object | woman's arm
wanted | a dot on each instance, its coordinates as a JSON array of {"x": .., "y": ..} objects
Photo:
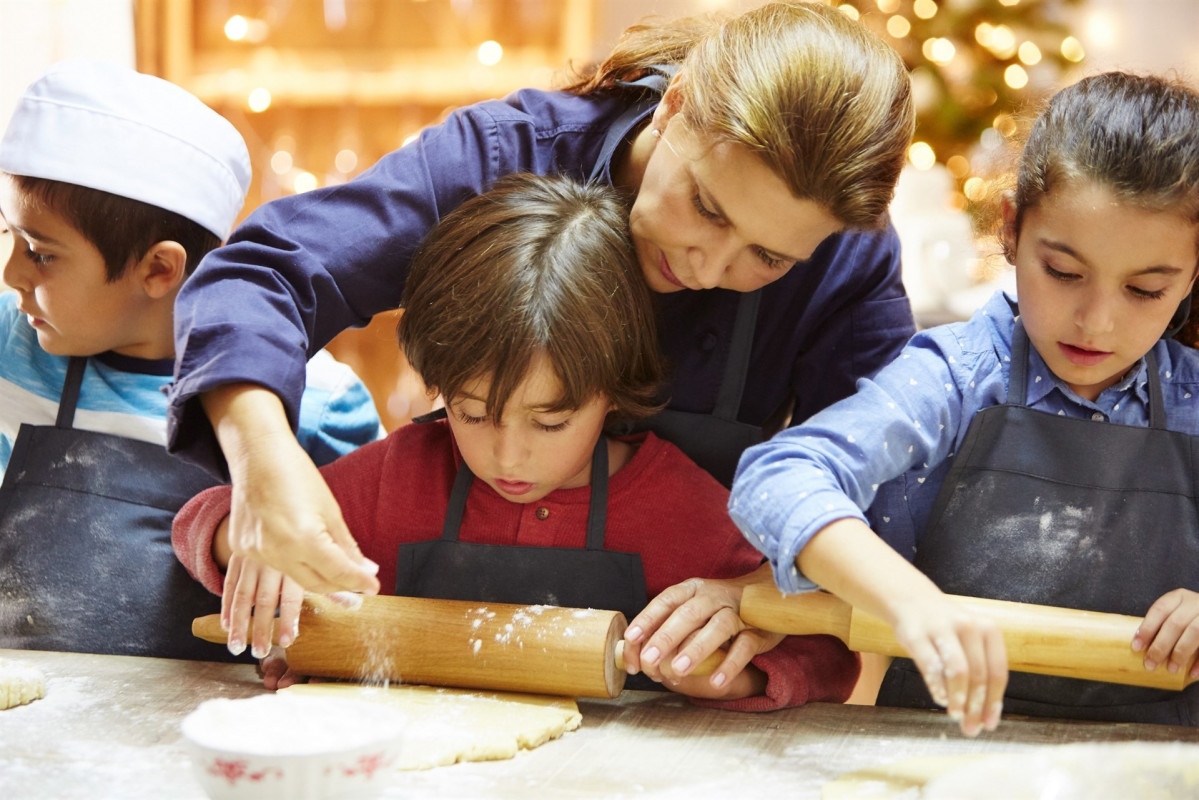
[{"x": 282, "y": 512}]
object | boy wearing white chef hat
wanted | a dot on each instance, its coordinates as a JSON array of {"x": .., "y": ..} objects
[{"x": 114, "y": 185}]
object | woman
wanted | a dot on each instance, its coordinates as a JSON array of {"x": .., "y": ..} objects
[{"x": 746, "y": 146}]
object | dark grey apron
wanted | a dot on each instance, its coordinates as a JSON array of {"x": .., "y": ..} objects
[
  {"x": 715, "y": 441},
  {"x": 587, "y": 577},
  {"x": 1040, "y": 508},
  {"x": 86, "y": 563}
]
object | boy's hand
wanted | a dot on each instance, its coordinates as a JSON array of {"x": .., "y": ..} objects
[
  {"x": 1171, "y": 632},
  {"x": 253, "y": 587},
  {"x": 275, "y": 672},
  {"x": 685, "y": 624},
  {"x": 961, "y": 656}
]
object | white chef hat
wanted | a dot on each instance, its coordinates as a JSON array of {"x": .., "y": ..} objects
[{"x": 107, "y": 127}]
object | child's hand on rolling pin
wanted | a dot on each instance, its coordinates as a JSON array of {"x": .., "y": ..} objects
[
  {"x": 684, "y": 625},
  {"x": 249, "y": 584},
  {"x": 961, "y": 656},
  {"x": 1169, "y": 634}
]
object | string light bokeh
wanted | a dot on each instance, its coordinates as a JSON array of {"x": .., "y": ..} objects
[{"x": 978, "y": 67}]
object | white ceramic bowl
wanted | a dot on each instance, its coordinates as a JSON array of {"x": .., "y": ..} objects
[{"x": 293, "y": 747}]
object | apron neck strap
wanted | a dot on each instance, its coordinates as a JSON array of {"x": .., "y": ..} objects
[
  {"x": 1018, "y": 378},
  {"x": 1157, "y": 406},
  {"x": 457, "y": 506},
  {"x": 70, "y": 392},
  {"x": 597, "y": 513},
  {"x": 732, "y": 384},
  {"x": 1017, "y": 389}
]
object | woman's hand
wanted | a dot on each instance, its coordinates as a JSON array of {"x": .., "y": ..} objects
[
  {"x": 1171, "y": 632},
  {"x": 283, "y": 514},
  {"x": 252, "y": 586},
  {"x": 684, "y": 625}
]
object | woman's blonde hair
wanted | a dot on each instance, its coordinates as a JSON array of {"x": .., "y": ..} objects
[
  {"x": 539, "y": 264},
  {"x": 825, "y": 103}
]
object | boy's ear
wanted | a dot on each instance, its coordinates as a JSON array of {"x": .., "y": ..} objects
[
  {"x": 162, "y": 269},
  {"x": 1008, "y": 235}
]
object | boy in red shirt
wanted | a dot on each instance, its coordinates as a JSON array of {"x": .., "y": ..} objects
[{"x": 525, "y": 311}]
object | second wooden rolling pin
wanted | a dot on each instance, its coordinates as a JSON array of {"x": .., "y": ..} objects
[
  {"x": 539, "y": 649},
  {"x": 1041, "y": 639}
]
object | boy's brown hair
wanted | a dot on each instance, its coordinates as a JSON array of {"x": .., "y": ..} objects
[
  {"x": 123, "y": 230},
  {"x": 538, "y": 264}
]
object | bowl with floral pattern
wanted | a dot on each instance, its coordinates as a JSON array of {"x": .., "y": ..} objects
[{"x": 278, "y": 746}]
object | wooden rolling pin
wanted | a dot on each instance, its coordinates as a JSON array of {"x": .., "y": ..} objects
[
  {"x": 1041, "y": 639},
  {"x": 540, "y": 649}
]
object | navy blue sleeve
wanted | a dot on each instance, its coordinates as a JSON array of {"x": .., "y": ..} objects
[{"x": 303, "y": 268}]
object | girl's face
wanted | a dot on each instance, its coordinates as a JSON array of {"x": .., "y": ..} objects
[
  {"x": 714, "y": 215},
  {"x": 533, "y": 451},
  {"x": 1098, "y": 281}
]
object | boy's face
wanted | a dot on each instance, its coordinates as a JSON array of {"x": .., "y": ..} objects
[
  {"x": 533, "y": 452},
  {"x": 61, "y": 280},
  {"x": 1098, "y": 281}
]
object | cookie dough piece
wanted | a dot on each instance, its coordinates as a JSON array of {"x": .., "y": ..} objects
[
  {"x": 446, "y": 726},
  {"x": 20, "y": 683},
  {"x": 1088, "y": 771}
]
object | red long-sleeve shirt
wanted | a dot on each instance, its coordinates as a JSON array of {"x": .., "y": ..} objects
[{"x": 660, "y": 505}]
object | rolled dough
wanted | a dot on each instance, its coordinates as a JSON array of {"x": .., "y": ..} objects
[
  {"x": 20, "y": 683},
  {"x": 451, "y": 725},
  {"x": 1094, "y": 771}
]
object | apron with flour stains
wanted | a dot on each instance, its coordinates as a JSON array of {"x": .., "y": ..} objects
[
  {"x": 716, "y": 440},
  {"x": 86, "y": 563},
  {"x": 573, "y": 577},
  {"x": 1058, "y": 511}
]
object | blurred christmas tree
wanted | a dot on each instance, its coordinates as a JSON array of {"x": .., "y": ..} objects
[{"x": 976, "y": 65}]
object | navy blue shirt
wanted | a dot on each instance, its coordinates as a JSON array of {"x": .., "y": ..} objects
[{"x": 303, "y": 268}]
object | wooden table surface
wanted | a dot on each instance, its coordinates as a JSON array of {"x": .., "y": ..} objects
[{"x": 109, "y": 727}]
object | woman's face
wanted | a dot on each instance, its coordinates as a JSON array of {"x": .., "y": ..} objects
[{"x": 714, "y": 215}]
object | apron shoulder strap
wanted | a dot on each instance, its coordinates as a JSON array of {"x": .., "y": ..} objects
[
  {"x": 597, "y": 512},
  {"x": 732, "y": 384},
  {"x": 457, "y": 504},
  {"x": 1017, "y": 389},
  {"x": 70, "y": 392},
  {"x": 1157, "y": 405}
]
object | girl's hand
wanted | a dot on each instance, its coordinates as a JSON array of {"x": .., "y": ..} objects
[
  {"x": 1171, "y": 631},
  {"x": 688, "y": 622},
  {"x": 961, "y": 656},
  {"x": 253, "y": 587}
]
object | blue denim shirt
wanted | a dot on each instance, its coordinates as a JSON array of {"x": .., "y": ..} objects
[{"x": 881, "y": 455}]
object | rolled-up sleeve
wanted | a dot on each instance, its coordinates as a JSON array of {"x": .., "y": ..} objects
[{"x": 907, "y": 418}]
